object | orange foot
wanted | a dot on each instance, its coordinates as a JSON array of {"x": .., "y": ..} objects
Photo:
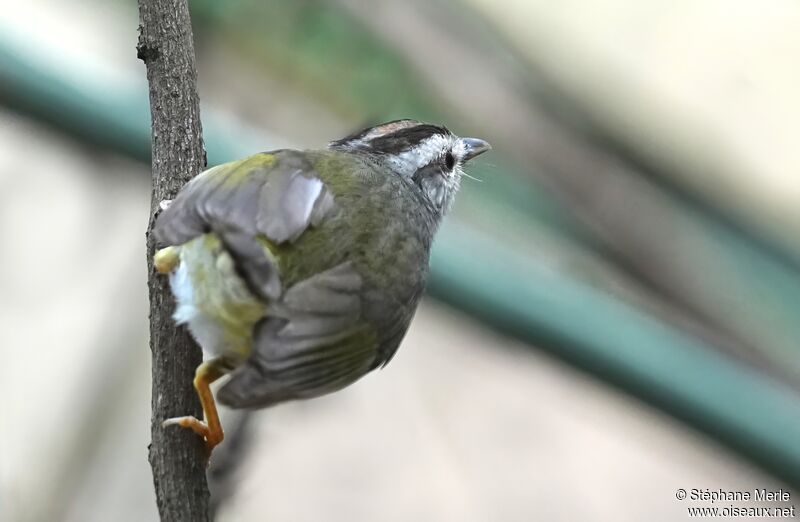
[
  {"x": 211, "y": 437},
  {"x": 211, "y": 429}
]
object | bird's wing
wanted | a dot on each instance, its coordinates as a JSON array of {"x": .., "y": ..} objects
[
  {"x": 275, "y": 195},
  {"x": 314, "y": 338},
  {"x": 314, "y": 342}
]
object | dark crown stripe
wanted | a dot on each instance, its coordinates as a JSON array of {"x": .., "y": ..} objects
[
  {"x": 405, "y": 139},
  {"x": 394, "y": 124}
]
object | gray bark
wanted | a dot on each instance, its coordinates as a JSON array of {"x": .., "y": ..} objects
[{"x": 176, "y": 455}]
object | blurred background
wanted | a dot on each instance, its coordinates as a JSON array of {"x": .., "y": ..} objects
[{"x": 614, "y": 311}]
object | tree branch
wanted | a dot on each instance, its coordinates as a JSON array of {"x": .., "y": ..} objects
[{"x": 176, "y": 455}]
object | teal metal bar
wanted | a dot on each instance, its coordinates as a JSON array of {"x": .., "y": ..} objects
[
  {"x": 116, "y": 117},
  {"x": 743, "y": 408}
]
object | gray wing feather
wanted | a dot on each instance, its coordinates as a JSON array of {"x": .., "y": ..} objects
[
  {"x": 315, "y": 342},
  {"x": 239, "y": 201},
  {"x": 333, "y": 292},
  {"x": 286, "y": 206}
]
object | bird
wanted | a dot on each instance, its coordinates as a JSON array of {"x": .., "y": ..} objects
[{"x": 298, "y": 272}]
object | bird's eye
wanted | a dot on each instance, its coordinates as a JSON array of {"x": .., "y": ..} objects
[{"x": 449, "y": 161}]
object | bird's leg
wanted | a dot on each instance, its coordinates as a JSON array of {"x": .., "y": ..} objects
[{"x": 209, "y": 428}]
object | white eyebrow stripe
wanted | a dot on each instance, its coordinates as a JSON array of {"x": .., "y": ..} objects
[{"x": 408, "y": 162}]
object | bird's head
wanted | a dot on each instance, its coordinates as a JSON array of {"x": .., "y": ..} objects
[{"x": 430, "y": 156}]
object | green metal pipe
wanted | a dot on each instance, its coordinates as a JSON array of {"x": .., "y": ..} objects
[{"x": 746, "y": 410}]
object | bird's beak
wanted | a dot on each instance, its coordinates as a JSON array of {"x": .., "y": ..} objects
[{"x": 473, "y": 147}]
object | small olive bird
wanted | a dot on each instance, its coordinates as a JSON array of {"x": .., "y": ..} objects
[{"x": 299, "y": 271}]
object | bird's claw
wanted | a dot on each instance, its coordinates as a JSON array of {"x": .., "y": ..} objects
[{"x": 211, "y": 438}]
